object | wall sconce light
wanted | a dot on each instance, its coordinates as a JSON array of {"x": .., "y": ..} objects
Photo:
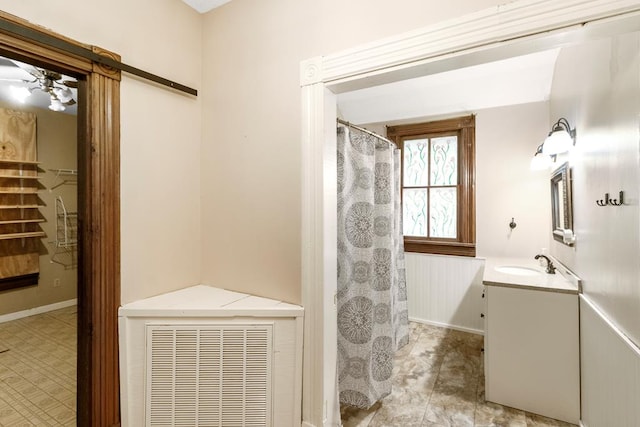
[
  {"x": 560, "y": 139},
  {"x": 540, "y": 161}
]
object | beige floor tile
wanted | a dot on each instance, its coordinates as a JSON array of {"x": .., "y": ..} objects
[
  {"x": 354, "y": 417},
  {"x": 438, "y": 381},
  {"x": 493, "y": 415},
  {"x": 38, "y": 370},
  {"x": 534, "y": 420}
]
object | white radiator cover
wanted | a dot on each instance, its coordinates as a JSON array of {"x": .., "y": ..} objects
[
  {"x": 208, "y": 375},
  {"x": 204, "y": 356}
]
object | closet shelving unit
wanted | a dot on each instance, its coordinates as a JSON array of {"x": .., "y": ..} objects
[
  {"x": 19, "y": 215},
  {"x": 63, "y": 176},
  {"x": 66, "y": 235},
  {"x": 20, "y": 219}
]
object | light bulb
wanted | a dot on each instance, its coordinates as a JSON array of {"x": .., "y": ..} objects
[
  {"x": 20, "y": 93},
  {"x": 558, "y": 142},
  {"x": 56, "y": 105},
  {"x": 63, "y": 94}
]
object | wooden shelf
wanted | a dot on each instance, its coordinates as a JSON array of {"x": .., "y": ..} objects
[
  {"x": 21, "y": 221},
  {"x": 19, "y": 192},
  {"x": 18, "y": 162},
  {"x": 20, "y": 231},
  {"x": 28, "y": 234},
  {"x": 4, "y": 176},
  {"x": 19, "y": 206}
]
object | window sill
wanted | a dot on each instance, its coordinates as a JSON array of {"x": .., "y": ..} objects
[{"x": 440, "y": 248}]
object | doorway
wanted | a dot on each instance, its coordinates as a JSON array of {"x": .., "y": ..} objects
[
  {"x": 461, "y": 42},
  {"x": 98, "y": 213},
  {"x": 38, "y": 246}
]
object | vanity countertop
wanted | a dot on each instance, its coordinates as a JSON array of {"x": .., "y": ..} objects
[{"x": 563, "y": 281}]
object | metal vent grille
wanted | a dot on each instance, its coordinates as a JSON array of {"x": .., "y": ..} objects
[{"x": 208, "y": 375}]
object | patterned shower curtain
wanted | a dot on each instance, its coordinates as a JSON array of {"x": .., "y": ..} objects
[{"x": 372, "y": 292}]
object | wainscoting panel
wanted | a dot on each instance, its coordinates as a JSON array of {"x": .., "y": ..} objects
[
  {"x": 445, "y": 291},
  {"x": 610, "y": 365}
]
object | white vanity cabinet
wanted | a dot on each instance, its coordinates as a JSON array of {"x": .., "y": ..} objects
[{"x": 532, "y": 346}]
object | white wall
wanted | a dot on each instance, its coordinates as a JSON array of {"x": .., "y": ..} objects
[
  {"x": 160, "y": 130},
  {"x": 251, "y": 126},
  {"x": 603, "y": 102},
  {"x": 506, "y": 139}
]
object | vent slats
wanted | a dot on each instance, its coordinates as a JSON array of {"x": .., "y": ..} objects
[{"x": 209, "y": 375}]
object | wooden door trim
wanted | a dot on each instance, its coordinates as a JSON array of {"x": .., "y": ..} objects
[{"x": 98, "y": 219}]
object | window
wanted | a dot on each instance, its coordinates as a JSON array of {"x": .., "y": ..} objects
[{"x": 438, "y": 185}]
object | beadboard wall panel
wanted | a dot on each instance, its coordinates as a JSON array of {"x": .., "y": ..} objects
[
  {"x": 610, "y": 371},
  {"x": 445, "y": 291}
]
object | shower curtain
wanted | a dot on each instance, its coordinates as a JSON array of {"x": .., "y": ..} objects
[{"x": 372, "y": 292}]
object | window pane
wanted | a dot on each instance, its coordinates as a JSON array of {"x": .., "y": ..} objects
[
  {"x": 443, "y": 218},
  {"x": 414, "y": 212},
  {"x": 416, "y": 162},
  {"x": 444, "y": 160}
]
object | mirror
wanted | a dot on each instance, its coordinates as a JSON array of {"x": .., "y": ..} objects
[{"x": 561, "y": 209}]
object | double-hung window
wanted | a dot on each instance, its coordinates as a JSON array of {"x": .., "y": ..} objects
[{"x": 438, "y": 185}]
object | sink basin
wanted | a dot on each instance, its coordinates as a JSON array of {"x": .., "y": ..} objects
[{"x": 517, "y": 270}]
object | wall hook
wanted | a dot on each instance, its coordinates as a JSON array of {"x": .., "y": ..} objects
[
  {"x": 615, "y": 202},
  {"x": 512, "y": 224},
  {"x": 604, "y": 202}
]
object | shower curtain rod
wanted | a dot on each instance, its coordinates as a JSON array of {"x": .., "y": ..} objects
[{"x": 346, "y": 123}]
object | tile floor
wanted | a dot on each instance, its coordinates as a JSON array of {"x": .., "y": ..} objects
[
  {"x": 38, "y": 370},
  {"x": 439, "y": 381}
]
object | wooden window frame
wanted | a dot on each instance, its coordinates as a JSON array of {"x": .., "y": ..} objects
[
  {"x": 464, "y": 128},
  {"x": 98, "y": 398}
]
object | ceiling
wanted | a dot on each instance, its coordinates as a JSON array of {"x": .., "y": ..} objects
[
  {"x": 517, "y": 80},
  {"x": 12, "y": 75},
  {"x": 204, "y": 6}
]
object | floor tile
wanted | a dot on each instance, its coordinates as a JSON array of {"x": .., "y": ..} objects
[
  {"x": 534, "y": 420},
  {"x": 38, "y": 370},
  {"x": 438, "y": 381}
]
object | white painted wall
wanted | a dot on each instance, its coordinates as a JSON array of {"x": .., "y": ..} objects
[
  {"x": 603, "y": 102},
  {"x": 506, "y": 139},
  {"x": 160, "y": 130},
  {"x": 251, "y": 191}
]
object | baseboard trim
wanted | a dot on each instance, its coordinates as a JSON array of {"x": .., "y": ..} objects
[
  {"x": 37, "y": 310},
  {"x": 447, "y": 326}
]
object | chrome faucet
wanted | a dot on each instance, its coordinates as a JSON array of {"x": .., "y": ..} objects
[{"x": 551, "y": 269}]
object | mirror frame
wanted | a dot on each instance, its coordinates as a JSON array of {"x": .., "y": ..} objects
[{"x": 562, "y": 177}]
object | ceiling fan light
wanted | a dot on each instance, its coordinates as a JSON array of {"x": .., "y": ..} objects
[
  {"x": 63, "y": 94},
  {"x": 56, "y": 105},
  {"x": 20, "y": 93}
]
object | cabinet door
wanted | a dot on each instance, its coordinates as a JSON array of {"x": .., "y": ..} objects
[{"x": 532, "y": 351}]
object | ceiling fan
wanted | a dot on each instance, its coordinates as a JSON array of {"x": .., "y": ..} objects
[{"x": 53, "y": 83}]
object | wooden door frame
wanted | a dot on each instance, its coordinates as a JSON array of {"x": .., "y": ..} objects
[{"x": 98, "y": 402}]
